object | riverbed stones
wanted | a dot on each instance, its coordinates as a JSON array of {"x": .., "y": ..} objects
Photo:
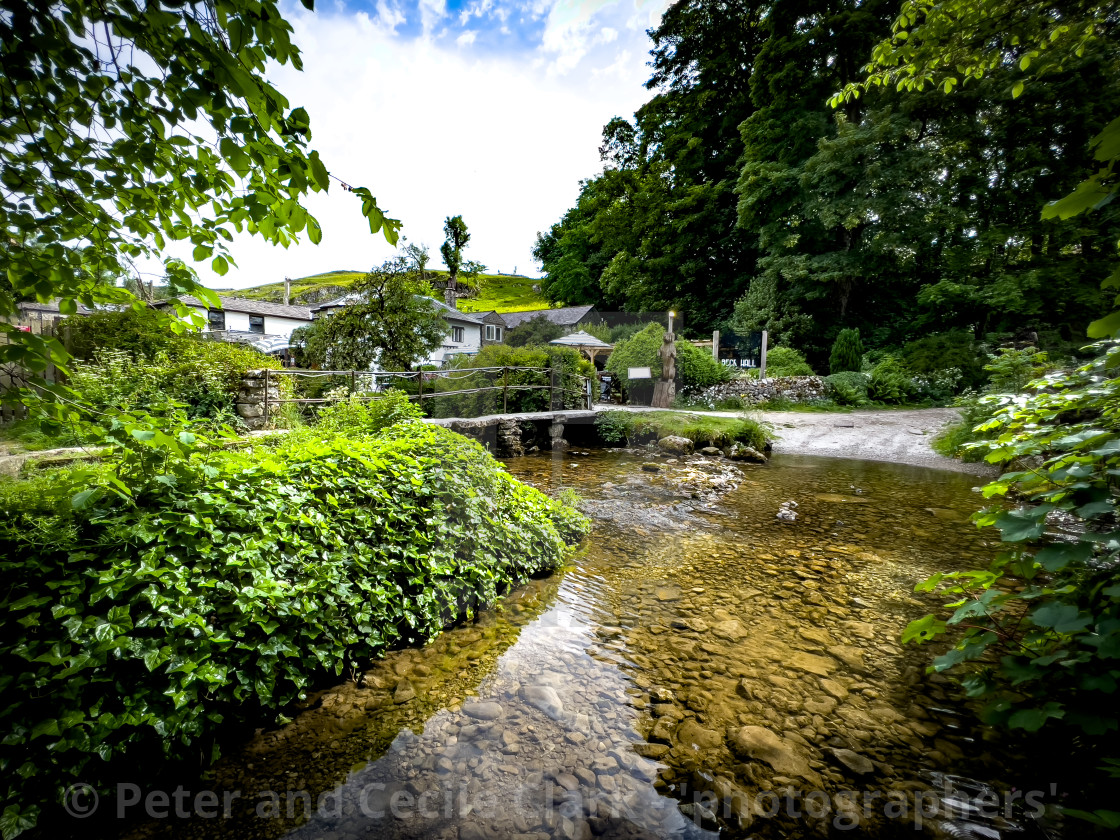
[
  {"x": 544, "y": 698},
  {"x": 834, "y": 688},
  {"x": 404, "y": 692},
  {"x": 676, "y": 445},
  {"x": 856, "y": 763},
  {"x": 822, "y": 666},
  {"x": 485, "y": 710},
  {"x": 692, "y": 735},
  {"x": 711, "y": 451},
  {"x": 739, "y": 452},
  {"x": 731, "y": 629},
  {"x": 760, "y": 744}
]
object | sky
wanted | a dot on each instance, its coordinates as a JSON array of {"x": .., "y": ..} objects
[{"x": 489, "y": 109}]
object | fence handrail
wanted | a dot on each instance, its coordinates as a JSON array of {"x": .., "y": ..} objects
[{"x": 555, "y": 384}]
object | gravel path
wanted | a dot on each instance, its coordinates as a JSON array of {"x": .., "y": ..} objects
[{"x": 901, "y": 437}]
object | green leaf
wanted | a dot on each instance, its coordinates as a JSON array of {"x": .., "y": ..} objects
[{"x": 1033, "y": 719}]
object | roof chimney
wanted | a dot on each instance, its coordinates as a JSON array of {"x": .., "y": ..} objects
[
  {"x": 450, "y": 297},
  {"x": 287, "y": 291}
]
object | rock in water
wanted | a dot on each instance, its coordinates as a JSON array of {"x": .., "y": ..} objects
[
  {"x": 711, "y": 451},
  {"x": 545, "y": 698},
  {"x": 761, "y": 744},
  {"x": 675, "y": 444},
  {"x": 859, "y": 764},
  {"x": 739, "y": 452},
  {"x": 488, "y": 710}
]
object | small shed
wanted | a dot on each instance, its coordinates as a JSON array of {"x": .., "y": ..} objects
[{"x": 586, "y": 343}]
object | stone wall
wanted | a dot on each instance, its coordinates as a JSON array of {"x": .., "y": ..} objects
[
  {"x": 792, "y": 388},
  {"x": 250, "y": 399}
]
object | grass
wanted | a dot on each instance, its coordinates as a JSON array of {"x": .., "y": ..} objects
[
  {"x": 500, "y": 292},
  {"x": 702, "y": 430}
]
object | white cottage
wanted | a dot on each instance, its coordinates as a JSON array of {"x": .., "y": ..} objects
[{"x": 267, "y": 326}]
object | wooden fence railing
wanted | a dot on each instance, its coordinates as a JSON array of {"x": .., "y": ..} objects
[
  {"x": 368, "y": 385},
  {"x": 13, "y": 376}
]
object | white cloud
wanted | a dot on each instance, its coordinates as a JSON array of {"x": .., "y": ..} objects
[
  {"x": 431, "y": 13},
  {"x": 389, "y": 15},
  {"x": 467, "y": 38},
  {"x": 435, "y": 129},
  {"x": 607, "y": 34}
]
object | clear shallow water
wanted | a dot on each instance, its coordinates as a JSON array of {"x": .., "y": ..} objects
[{"x": 701, "y": 667}]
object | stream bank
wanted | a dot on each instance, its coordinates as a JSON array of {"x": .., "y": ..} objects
[{"x": 703, "y": 666}]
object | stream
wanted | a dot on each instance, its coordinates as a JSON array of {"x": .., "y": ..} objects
[{"x": 702, "y": 668}]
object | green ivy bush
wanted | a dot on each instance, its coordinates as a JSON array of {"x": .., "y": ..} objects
[
  {"x": 141, "y": 333},
  {"x": 785, "y": 361},
  {"x": 1039, "y": 630},
  {"x": 226, "y": 587}
]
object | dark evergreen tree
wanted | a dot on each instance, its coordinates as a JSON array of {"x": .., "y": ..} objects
[{"x": 847, "y": 352}]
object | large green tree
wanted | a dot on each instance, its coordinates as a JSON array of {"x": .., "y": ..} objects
[
  {"x": 128, "y": 128},
  {"x": 390, "y": 320},
  {"x": 656, "y": 230}
]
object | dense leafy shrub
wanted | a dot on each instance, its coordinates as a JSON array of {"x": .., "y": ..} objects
[
  {"x": 890, "y": 382},
  {"x": 941, "y": 351},
  {"x": 695, "y": 368},
  {"x": 534, "y": 332},
  {"x": 849, "y": 387},
  {"x": 141, "y": 333},
  {"x": 202, "y": 375},
  {"x": 1010, "y": 369},
  {"x": 1045, "y": 654},
  {"x": 357, "y": 416},
  {"x": 518, "y": 396},
  {"x": 785, "y": 361},
  {"x": 847, "y": 352},
  {"x": 136, "y": 628}
]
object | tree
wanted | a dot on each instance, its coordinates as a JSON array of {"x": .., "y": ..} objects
[
  {"x": 417, "y": 254},
  {"x": 129, "y": 129},
  {"x": 847, "y": 352},
  {"x": 954, "y": 43},
  {"x": 536, "y": 331},
  {"x": 455, "y": 229},
  {"x": 392, "y": 322}
]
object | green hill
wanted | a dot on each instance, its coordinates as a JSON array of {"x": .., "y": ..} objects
[{"x": 501, "y": 292}]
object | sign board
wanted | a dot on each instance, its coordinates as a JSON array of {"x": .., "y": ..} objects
[{"x": 639, "y": 373}]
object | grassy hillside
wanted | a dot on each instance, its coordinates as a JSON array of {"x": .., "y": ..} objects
[{"x": 501, "y": 292}]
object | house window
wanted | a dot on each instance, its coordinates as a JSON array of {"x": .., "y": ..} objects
[
  {"x": 493, "y": 333},
  {"x": 457, "y": 334},
  {"x": 217, "y": 319},
  {"x": 497, "y": 333},
  {"x": 256, "y": 324}
]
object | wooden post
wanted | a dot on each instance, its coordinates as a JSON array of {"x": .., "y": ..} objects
[
  {"x": 762, "y": 360},
  {"x": 715, "y": 345},
  {"x": 420, "y": 387},
  {"x": 266, "y": 417},
  {"x": 505, "y": 390},
  {"x": 353, "y": 382},
  {"x": 552, "y": 390}
]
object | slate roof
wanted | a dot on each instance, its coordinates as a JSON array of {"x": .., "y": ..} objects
[
  {"x": 51, "y": 307},
  {"x": 565, "y": 316},
  {"x": 443, "y": 309},
  {"x": 251, "y": 307}
]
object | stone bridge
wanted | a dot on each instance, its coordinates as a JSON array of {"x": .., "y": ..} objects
[{"x": 516, "y": 434}]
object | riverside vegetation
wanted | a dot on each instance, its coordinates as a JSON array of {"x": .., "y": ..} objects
[{"x": 184, "y": 587}]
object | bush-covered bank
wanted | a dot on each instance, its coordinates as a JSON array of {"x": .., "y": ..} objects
[
  {"x": 141, "y": 627},
  {"x": 634, "y": 427},
  {"x": 695, "y": 367},
  {"x": 1037, "y": 634}
]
